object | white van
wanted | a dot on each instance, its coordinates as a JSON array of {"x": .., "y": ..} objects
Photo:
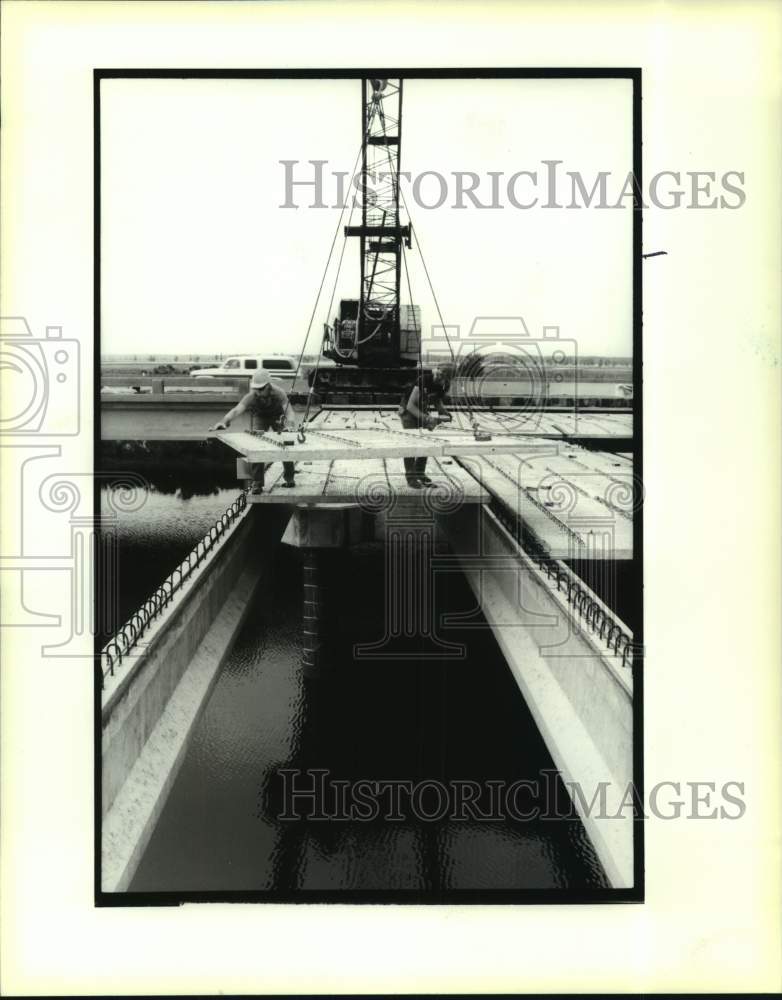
[{"x": 280, "y": 365}]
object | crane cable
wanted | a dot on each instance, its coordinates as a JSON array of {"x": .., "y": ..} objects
[
  {"x": 473, "y": 421},
  {"x": 323, "y": 279},
  {"x": 300, "y": 434},
  {"x": 400, "y": 195}
]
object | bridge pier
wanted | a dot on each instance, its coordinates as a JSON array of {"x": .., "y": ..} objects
[
  {"x": 311, "y": 614},
  {"x": 313, "y": 530}
]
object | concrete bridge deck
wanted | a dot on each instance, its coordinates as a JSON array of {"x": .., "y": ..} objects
[
  {"x": 364, "y": 442},
  {"x": 577, "y": 503},
  {"x": 563, "y": 423},
  {"x": 373, "y": 485}
]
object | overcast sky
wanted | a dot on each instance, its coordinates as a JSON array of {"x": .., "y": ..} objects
[{"x": 199, "y": 257}]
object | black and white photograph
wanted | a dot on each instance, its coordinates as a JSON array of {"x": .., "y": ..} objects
[
  {"x": 390, "y": 495},
  {"x": 370, "y": 466}
]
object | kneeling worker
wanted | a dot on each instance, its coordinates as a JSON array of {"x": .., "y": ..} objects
[
  {"x": 271, "y": 410},
  {"x": 413, "y": 414}
]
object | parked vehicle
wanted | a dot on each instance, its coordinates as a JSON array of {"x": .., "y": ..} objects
[{"x": 280, "y": 365}]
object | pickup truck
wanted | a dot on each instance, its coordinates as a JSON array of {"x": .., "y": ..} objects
[{"x": 281, "y": 366}]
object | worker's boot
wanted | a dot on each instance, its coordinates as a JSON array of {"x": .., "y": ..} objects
[
  {"x": 420, "y": 471},
  {"x": 257, "y": 470},
  {"x": 288, "y": 474},
  {"x": 411, "y": 474}
]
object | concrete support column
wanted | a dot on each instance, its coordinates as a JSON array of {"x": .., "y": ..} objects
[
  {"x": 311, "y": 613},
  {"x": 313, "y": 529}
]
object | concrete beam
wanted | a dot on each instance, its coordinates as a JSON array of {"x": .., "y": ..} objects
[
  {"x": 361, "y": 444},
  {"x": 157, "y": 418},
  {"x": 374, "y": 484},
  {"x": 578, "y": 693},
  {"x": 131, "y": 820},
  {"x": 152, "y": 702},
  {"x": 183, "y": 416}
]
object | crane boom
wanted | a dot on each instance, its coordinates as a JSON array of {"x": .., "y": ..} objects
[{"x": 367, "y": 333}]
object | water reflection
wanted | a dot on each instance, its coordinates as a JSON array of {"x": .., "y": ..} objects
[
  {"x": 156, "y": 537},
  {"x": 376, "y": 720}
]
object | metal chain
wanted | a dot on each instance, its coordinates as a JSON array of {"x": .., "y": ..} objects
[
  {"x": 335, "y": 436},
  {"x": 268, "y": 440}
]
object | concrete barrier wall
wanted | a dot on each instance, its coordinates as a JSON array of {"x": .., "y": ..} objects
[
  {"x": 581, "y": 703},
  {"x": 148, "y": 418},
  {"x": 133, "y": 706},
  {"x": 592, "y": 686}
]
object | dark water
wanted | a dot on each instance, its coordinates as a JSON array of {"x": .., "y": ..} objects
[
  {"x": 615, "y": 581},
  {"x": 401, "y": 719},
  {"x": 154, "y": 539}
]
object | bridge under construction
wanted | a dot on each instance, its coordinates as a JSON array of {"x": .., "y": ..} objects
[
  {"x": 531, "y": 495},
  {"x": 515, "y": 514}
]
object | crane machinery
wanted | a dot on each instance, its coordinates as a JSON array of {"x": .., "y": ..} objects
[{"x": 375, "y": 340}]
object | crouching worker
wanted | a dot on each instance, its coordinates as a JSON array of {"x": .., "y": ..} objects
[
  {"x": 413, "y": 407},
  {"x": 270, "y": 409}
]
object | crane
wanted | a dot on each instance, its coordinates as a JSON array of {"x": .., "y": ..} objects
[{"x": 374, "y": 339}]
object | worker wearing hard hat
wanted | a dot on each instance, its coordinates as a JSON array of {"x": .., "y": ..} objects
[
  {"x": 270, "y": 409},
  {"x": 413, "y": 407}
]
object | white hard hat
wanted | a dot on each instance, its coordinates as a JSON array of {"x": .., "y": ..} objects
[{"x": 260, "y": 378}]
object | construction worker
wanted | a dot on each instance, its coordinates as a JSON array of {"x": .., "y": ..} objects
[
  {"x": 413, "y": 407},
  {"x": 270, "y": 409}
]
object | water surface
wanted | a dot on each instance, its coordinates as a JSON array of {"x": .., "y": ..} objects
[{"x": 403, "y": 719}]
